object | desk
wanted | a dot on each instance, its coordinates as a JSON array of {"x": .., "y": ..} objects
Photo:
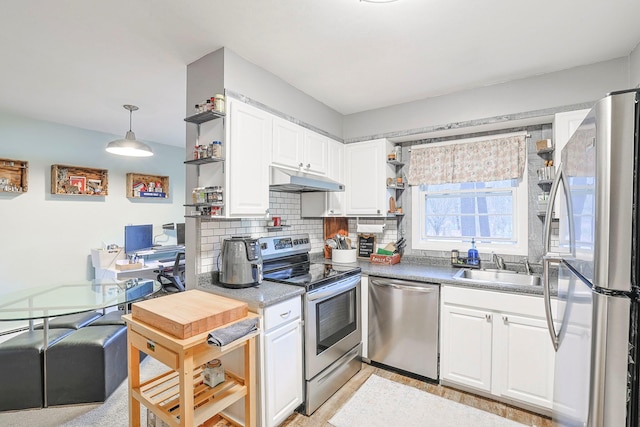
[
  {"x": 149, "y": 271},
  {"x": 51, "y": 301}
]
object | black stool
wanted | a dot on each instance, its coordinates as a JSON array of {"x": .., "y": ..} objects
[
  {"x": 21, "y": 368},
  {"x": 111, "y": 318},
  {"x": 72, "y": 321},
  {"x": 87, "y": 366}
]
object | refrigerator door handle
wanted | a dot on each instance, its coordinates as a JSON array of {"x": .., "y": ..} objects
[
  {"x": 550, "y": 257},
  {"x": 555, "y": 336}
]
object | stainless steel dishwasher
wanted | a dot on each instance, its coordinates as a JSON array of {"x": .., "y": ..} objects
[{"x": 403, "y": 325}]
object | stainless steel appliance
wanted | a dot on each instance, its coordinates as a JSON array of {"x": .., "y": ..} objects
[
  {"x": 295, "y": 181},
  {"x": 403, "y": 325},
  {"x": 241, "y": 262},
  {"x": 594, "y": 326},
  {"x": 331, "y": 314}
]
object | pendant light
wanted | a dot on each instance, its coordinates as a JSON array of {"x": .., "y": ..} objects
[{"x": 129, "y": 146}]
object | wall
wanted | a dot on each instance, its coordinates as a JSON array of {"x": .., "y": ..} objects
[
  {"x": 285, "y": 205},
  {"x": 46, "y": 239},
  {"x": 248, "y": 79},
  {"x": 546, "y": 91},
  {"x": 634, "y": 67}
]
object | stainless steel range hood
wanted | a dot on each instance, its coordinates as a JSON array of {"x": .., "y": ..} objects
[{"x": 290, "y": 181}]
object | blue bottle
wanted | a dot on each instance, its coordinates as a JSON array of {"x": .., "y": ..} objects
[{"x": 472, "y": 254}]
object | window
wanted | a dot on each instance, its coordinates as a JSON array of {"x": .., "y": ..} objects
[{"x": 495, "y": 213}]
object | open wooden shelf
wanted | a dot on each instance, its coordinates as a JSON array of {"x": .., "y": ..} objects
[
  {"x": 163, "y": 394},
  {"x": 79, "y": 181},
  {"x": 138, "y": 186},
  {"x": 14, "y": 175}
]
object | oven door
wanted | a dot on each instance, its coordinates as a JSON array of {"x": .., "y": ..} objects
[{"x": 332, "y": 323}]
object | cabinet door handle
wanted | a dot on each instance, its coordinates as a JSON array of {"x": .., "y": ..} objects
[
  {"x": 308, "y": 165},
  {"x": 285, "y": 315},
  {"x": 505, "y": 319},
  {"x": 331, "y": 211},
  {"x": 487, "y": 317},
  {"x": 300, "y": 165}
]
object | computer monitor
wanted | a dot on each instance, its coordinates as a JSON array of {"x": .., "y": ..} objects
[
  {"x": 137, "y": 237},
  {"x": 180, "y": 233}
]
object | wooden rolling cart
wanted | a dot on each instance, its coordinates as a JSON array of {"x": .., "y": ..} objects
[{"x": 178, "y": 397}]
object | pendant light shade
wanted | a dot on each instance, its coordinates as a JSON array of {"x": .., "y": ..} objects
[{"x": 129, "y": 146}]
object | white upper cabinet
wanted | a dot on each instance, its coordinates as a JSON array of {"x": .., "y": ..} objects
[
  {"x": 298, "y": 148},
  {"x": 316, "y": 204},
  {"x": 248, "y": 150},
  {"x": 287, "y": 144},
  {"x": 314, "y": 152},
  {"x": 366, "y": 173}
]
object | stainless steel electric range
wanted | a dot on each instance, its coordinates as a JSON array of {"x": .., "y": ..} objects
[{"x": 331, "y": 313}]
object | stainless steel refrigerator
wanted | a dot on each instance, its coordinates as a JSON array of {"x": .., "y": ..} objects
[{"x": 593, "y": 321}]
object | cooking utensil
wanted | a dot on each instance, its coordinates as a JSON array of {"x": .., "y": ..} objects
[{"x": 331, "y": 243}]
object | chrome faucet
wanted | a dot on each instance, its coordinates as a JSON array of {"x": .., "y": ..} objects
[
  {"x": 527, "y": 267},
  {"x": 499, "y": 261}
]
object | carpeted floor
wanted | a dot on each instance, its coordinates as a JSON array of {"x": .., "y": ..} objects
[
  {"x": 113, "y": 413},
  {"x": 381, "y": 402}
]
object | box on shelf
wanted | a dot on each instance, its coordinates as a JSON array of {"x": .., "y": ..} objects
[
  {"x": 105, "y": 258},
  {"x": 384, "y": 259},
  {"x": 543, "y": 144},
  {"x": 127, "y": 266}
]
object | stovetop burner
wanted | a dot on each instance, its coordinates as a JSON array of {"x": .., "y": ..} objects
[
  {"x": 311, "y": 275},
  {"x": 286, "y": 260}
]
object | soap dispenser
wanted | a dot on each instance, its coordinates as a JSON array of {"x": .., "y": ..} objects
[{"x": 472, "y": 254}]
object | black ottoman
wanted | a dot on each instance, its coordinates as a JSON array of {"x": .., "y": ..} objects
[
  {"x": 73, "y": 321},
  {"x": 21, "y": 368},
  {"x": 87, "y": 366},
  {"x": 111, "y": 318}
]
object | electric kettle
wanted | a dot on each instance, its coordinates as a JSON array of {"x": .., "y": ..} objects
[{"x": 241, "y": 262}]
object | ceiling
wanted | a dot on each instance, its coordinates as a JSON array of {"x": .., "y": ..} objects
[{"x": 77, "y": 62}]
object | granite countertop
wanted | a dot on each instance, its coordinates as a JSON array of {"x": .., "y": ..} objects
[
  {"x": 258, "y": 297},
  {"x": 270, "y": 293},
  {"x": 419, "y": 272}
]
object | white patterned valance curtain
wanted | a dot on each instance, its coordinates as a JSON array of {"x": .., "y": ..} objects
[{"x": 493, "y": 159}]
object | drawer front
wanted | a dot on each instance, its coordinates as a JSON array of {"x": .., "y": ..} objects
[
  {"x": 282, "y": 313},
  {"x": 154, "y": 349}
]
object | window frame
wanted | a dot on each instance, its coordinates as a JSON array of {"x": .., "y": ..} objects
[{"x": 520, "y": 223}]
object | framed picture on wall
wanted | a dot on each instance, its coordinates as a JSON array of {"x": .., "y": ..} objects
[{"x": 80, "y": 182}]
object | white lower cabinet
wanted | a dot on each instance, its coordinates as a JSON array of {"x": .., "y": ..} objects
[
  {"x": 497, "y": 343},
  {"x": 283, "y": 371}
]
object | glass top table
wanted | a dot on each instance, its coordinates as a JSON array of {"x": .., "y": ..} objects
[{"x": 57, "y": 300}]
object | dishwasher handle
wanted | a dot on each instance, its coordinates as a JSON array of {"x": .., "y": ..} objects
[{"x": 397, "y": 284}]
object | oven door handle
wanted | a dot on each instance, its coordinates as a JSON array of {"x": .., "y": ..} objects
[{"x": 332, "y": 290}]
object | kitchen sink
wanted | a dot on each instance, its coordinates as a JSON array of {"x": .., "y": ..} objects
[{"x": 501, "y": 277}]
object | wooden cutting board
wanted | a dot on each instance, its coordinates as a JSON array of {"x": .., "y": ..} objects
[
  {"x": 333, "y": 226},
  {"x": 188, "y": 313}
]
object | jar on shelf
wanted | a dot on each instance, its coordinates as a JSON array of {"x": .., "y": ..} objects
[
  {"x": 219, "y": 102},
  {"x": 213, "y": 373},
  {"x": 216, "y": 149}
]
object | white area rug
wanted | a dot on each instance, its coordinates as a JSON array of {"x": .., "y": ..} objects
[{"x": 384, "y": 403}]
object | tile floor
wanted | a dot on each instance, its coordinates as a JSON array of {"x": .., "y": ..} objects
[{"x": 325, "y": 412}]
